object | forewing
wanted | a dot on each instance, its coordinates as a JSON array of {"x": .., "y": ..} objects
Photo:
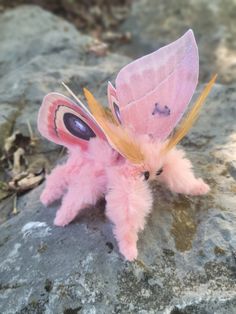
[
  {"x": 154, "y": 91},
  {"x": 65, "y": 123}
]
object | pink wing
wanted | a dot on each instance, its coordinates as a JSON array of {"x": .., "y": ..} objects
[
  {"x": 154, "y": 91},
  {"x": 65, "y": 123}
]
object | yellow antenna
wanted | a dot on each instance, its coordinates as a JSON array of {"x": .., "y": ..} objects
[
  {"x": 191, "y": 117},
  {"x": 118, "y": 137}
]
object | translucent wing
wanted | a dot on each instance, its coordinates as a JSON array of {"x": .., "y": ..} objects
[
  {"x": 154, "y": 91},
  {"x": 65, "y": 123}
]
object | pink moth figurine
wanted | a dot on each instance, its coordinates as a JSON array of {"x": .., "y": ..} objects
[{"x": 116, "y": 154}]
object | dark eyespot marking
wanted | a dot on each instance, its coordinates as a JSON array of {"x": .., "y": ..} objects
[
  {"x": 146, "y": 175},
  {"x": 77, "y": 126},
  {"x": 162, "y": 111},
  {"x": 117, "y": 111},
  {"x": 159, "y": 171}
]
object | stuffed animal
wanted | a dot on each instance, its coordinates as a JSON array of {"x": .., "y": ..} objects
[{"x": 117, "y": 153}]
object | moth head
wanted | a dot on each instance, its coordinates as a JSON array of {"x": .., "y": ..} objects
[
  {"x": 151, "y": 176},
  {"x": 154, "y": 159}
]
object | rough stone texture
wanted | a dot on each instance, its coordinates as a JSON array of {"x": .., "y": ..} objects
[
  {"x": 38, "y": 51},
  {"x": 187, "y": 252},
  {"x": 154, "y": 23}
]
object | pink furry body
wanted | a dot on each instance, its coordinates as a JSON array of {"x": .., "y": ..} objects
[{"x": 100, "y": 171}]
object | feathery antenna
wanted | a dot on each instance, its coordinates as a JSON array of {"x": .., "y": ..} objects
[
  {"x": 191, "y": 117},
  {"x": 118, "y": 137}
]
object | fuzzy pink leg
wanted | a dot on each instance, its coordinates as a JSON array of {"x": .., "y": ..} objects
[
  {"x": 129, "y": 200},
  {"x": 179, "y": 177},
  {"x": 55, "y": 185},
  {"x": 84, "y": 189}
]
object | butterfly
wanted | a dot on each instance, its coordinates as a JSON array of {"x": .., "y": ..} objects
[{"x": 116, "y": 153}]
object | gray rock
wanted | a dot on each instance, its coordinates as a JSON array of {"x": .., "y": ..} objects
[
  {"x": 187, "y": 251},
  {"x": 156, "y": 23},
  {"x": 44, "y": 51}
]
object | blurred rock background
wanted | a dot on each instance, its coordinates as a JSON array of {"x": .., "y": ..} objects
[
  {"x": 135, "y": 28},
  {"x": 187, "y": 252}
]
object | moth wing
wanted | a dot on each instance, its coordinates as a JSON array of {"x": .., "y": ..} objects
[
  {"x": 64, "y": 122},
  {"x": 154, "y": 91},
  {"x": 113, "y": 102}
]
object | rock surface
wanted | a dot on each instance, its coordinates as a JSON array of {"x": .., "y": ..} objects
[
  {"x": 156, "y": 23},
  {"x": 35, "y": 59},
  {"x": 187, "y": 252}
]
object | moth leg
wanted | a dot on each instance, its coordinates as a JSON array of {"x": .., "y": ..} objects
[
  {"x": 55, "y": 185},
  {"x": 179, "y": 177},
  {"x": 129, "y": 201},
  {"x": 83, "y": 190}
]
